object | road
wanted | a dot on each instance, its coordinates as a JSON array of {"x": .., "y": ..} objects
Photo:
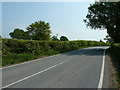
[{"x": 75, "y": 69}]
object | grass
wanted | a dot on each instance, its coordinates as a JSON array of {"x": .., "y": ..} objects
[
  {"x": 19, "y": 58},
  {"x": 49, "y": 53}
]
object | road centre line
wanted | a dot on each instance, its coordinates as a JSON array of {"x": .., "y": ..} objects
[
  {"x": 35, "y": 60},
  {"x": 34, "y": 74}
]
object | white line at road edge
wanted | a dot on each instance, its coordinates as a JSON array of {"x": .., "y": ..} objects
[
  {"x": 34, "y": 74},
  {"x": 100, "y": 84}
]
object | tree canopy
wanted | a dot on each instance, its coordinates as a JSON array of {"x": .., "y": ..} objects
[
  {"x": 36, "y": 31},
  {"x": 63, "y": 38},
  {"x": 0, "y": 36},
  {"x": 19, "y": 34},
  {"x": 39, "y": 31},
  {"x": 105, "y": 15},
  {"x": 108, "y": 39},
  {"x": 55, "y": 38}
]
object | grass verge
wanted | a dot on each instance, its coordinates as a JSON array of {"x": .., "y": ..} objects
[{"x": 19, "y": 58}]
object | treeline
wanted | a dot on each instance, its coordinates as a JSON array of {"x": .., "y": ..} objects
[
  {"x": 39, "y": 30},
  {"x": 37, "y": 47}
]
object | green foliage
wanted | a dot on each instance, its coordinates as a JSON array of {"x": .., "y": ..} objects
[
  {"x": 63, "y": 38},
  {"x": 114, "y": 51},
  {"x": 116, "y": 48},
  {"x": 36, "y": 31},
  {"x": 51, "y": 52},
  {"x": 19, "y": 34},
  {"x": 24, "y": 46},
  {"x": 0, "y": 37},
  {"x": 39, "y": 31},
  {"x": 0, "y": 45},
  {"x": 55, "y": 38},
  {"x": 17, "y": 58},
  {"x": 39, "y": 47},
  {"x": 5, "y": 49},
  {"x": 16, "y": 51},
  {"x": 14, "y": 58},
  {"x": 105, "y": 15},
  {"x": 108, "y": 39}
]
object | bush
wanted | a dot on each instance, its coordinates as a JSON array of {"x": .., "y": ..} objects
[{"x": 5, "y": 49}]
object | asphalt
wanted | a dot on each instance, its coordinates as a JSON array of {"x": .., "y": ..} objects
[{"x": 75, "y": 69}]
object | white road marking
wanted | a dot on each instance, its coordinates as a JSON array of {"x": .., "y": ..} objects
[
  {"x": 34, "y": 74},
  {"x": 35, "y": 60},
  {"x": 100, "y": 84}
]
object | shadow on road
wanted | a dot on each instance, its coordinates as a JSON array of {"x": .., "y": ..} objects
[{"x": 87, "y": 52}]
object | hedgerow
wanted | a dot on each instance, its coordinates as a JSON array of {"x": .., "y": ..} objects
[
  {"x": 115, "y": 56},
  {"x": 37, "y": 47}
]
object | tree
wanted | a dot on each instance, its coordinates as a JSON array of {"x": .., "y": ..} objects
[
  {"x": 100, "y": 40},
  {"x": 55, "y": 38},
  {"x": 39, "y": 31},
  {"x": 63, "y": 38},
  {"x": 19, "y": 34},
  {"x": 0, "y": 37},
  {"x": 105, "y": 15},
  {"x": 108, "y": 39}
]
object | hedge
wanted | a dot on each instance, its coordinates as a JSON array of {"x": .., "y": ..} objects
[
  {"x": 38, "y": 47},
  {"x": 115, "y": 57},
  {"x": 115, "y": 52},
  {"x": 116, "y": 48}
]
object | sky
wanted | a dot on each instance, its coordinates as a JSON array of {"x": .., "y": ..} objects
[
  {"x": 65, "y": 18},
  {"x": 0, "y": 18}
]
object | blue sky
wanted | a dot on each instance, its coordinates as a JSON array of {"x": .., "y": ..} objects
[
  {"x": 65, "y": 18},
  {"x": 0, "y": 18}
]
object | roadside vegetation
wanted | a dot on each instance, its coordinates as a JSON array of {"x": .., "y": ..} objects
[
  {"x": 17, "y": 51},
  {"x": 114, "y": 52},
  {"x": 106, "y": 16},
  {"x": 14, "y": 58},
  {"x": 36, "y": 41}
]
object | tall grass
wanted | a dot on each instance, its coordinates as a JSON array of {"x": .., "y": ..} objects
[{"x": 18, "y": 58}]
